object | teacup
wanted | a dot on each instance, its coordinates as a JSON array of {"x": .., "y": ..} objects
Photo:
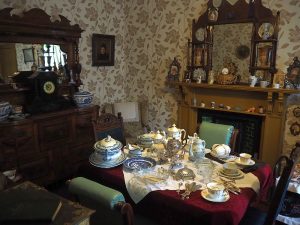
[
  {"x": 264, "y": 83},
  {"x": 276, "y": 85},
  {"x": 215, "y": 190},
  {"x": 245, "y": 158},
  {"x": 230, "y": 168}
]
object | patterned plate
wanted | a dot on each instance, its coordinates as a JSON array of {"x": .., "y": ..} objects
[{"x": 139, "y": 163}]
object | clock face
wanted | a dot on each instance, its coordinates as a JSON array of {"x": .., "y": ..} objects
[
  {"x": 265, "y": 31},
  {"x": 225, "y": 71},
  {"x": 49, "y": 87},
  {"x": 200, "y": 34}
]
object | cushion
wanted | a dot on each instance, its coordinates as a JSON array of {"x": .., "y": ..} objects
[
  {"x": 214, "y": 133},
  {"x": 129, "y": 111}
]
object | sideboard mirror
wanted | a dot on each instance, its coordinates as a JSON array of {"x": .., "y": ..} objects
[
  {"x": 36, "y": 30},
  {"x": 242, "y": 35}
]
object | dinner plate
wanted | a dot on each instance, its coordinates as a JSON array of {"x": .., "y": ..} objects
[
  {"x": 97, "y": 161},
  {"x": 139, "y": 163},
  {"x": 250, "y": 163},
  {"x": 237, "y": 176},
  {"x": 206, "y": 195}
]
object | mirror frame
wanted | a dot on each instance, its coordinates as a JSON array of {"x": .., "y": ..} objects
[
  {"x": 241, "y": 12},
  {"x": 36, "y": 27}
]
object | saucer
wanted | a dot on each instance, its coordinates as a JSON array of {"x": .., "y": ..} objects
[
  {"x": 250, "y": 163},
  {"x": 224, "y": 198}
]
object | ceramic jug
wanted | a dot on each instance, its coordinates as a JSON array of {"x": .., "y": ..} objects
[
  {"x": 252, "y": 80},
  {"x": 177, "y": 133},
  {"x": 199, "y": 147}
]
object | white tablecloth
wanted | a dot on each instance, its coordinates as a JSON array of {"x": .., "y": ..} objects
[{"x": 139, "y": 188}]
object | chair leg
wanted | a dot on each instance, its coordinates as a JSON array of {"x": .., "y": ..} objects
[{"x": 127, "y": 212}]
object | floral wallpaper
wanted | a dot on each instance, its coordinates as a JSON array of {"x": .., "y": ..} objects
[{"x": 149, "y": 34}]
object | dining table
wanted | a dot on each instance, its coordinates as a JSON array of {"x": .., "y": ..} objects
[{"x": 167, "y": 207}]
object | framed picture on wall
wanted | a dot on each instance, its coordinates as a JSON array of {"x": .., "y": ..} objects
[
  {"x": 103, "y": 50},
  {"x": 28, "y": 55}
]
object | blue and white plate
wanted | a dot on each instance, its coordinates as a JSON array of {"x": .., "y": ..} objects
[{"x": 139, "y": 163}]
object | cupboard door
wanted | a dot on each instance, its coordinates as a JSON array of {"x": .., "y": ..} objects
[{"x": 55, "y": 132}]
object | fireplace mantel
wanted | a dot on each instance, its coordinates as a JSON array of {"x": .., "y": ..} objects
[{"x": 240, "y": 98}]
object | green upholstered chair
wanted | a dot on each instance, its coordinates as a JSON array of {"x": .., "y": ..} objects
[
  {"x": 214, "y": 133},
  {"x": 110, "y": 205}
]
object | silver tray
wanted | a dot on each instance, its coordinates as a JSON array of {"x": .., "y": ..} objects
[{"x": 139, "y": 163}]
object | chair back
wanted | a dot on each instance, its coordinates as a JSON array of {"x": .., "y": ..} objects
[
  {"x": 280, "y": 192},
  {"x": 295, "y": 153},
  {"x": 109, "y": 124},
  {"x": 214, "y": 133}
]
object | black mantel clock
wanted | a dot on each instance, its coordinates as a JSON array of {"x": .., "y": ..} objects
[
  {"x": 45, "y": 95},
  {"x": 44, "y": 85}
]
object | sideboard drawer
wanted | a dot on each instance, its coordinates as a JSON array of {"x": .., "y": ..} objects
[{"x": 53, "y": 132}]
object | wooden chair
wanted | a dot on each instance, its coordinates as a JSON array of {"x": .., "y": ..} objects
[
  {"x": 259, "y": 217},
  {"x": 109, "y": 124}
]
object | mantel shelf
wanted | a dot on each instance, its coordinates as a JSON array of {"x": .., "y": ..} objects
[
  {"x": 229, "y": 111},
  {"x": 235, "y": 87}
]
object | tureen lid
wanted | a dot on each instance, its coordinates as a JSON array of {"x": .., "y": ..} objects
[
  {"x": 157, "y": 136},
  {"x": 107, "y": 142}
]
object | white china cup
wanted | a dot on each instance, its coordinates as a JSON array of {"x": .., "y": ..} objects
[
  {"x": 245, "y": 158},
  {"x": 264, "y": 83},
  {"x": 276, "y": 85},
  {"x": 230, "y": 168},
  {"x": 215, "y": 190}
]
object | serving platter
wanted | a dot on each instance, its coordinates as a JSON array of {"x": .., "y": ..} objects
[
  {"x": 139, "y": 163},
  {"x": 96, "y": 160}
]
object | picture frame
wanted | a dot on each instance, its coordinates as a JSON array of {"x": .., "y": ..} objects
[
  {"x": 28, "y": 54},
  {"x": 103, "y": 50},
  {"x": 174, "y": 70}
]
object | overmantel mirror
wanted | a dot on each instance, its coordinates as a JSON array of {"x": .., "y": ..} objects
[
  {"x": 33, "y": 40},
  {"x": 234, "y": 39}
]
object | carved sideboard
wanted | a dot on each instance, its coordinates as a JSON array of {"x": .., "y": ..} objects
[{"x": 48, "y": 147}]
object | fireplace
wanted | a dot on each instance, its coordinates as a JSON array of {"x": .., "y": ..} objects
[{"x": 249, "y": 127}]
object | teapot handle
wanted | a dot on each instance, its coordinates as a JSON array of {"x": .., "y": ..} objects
[
  {"x": 183, "y": 143},
  {"x": 184, "y": 133}
]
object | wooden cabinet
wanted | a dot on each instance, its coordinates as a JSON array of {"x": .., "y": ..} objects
[{"x": 48, "y": 147}]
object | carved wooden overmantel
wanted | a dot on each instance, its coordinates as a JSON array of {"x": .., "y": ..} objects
[{"x": 36, "y": 27}]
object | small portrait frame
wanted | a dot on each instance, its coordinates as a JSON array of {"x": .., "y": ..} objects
[
  {"x": 103, "y": 50},
  {"x": 28, "y": 55},
  {"x": 174, "y": 70}
]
